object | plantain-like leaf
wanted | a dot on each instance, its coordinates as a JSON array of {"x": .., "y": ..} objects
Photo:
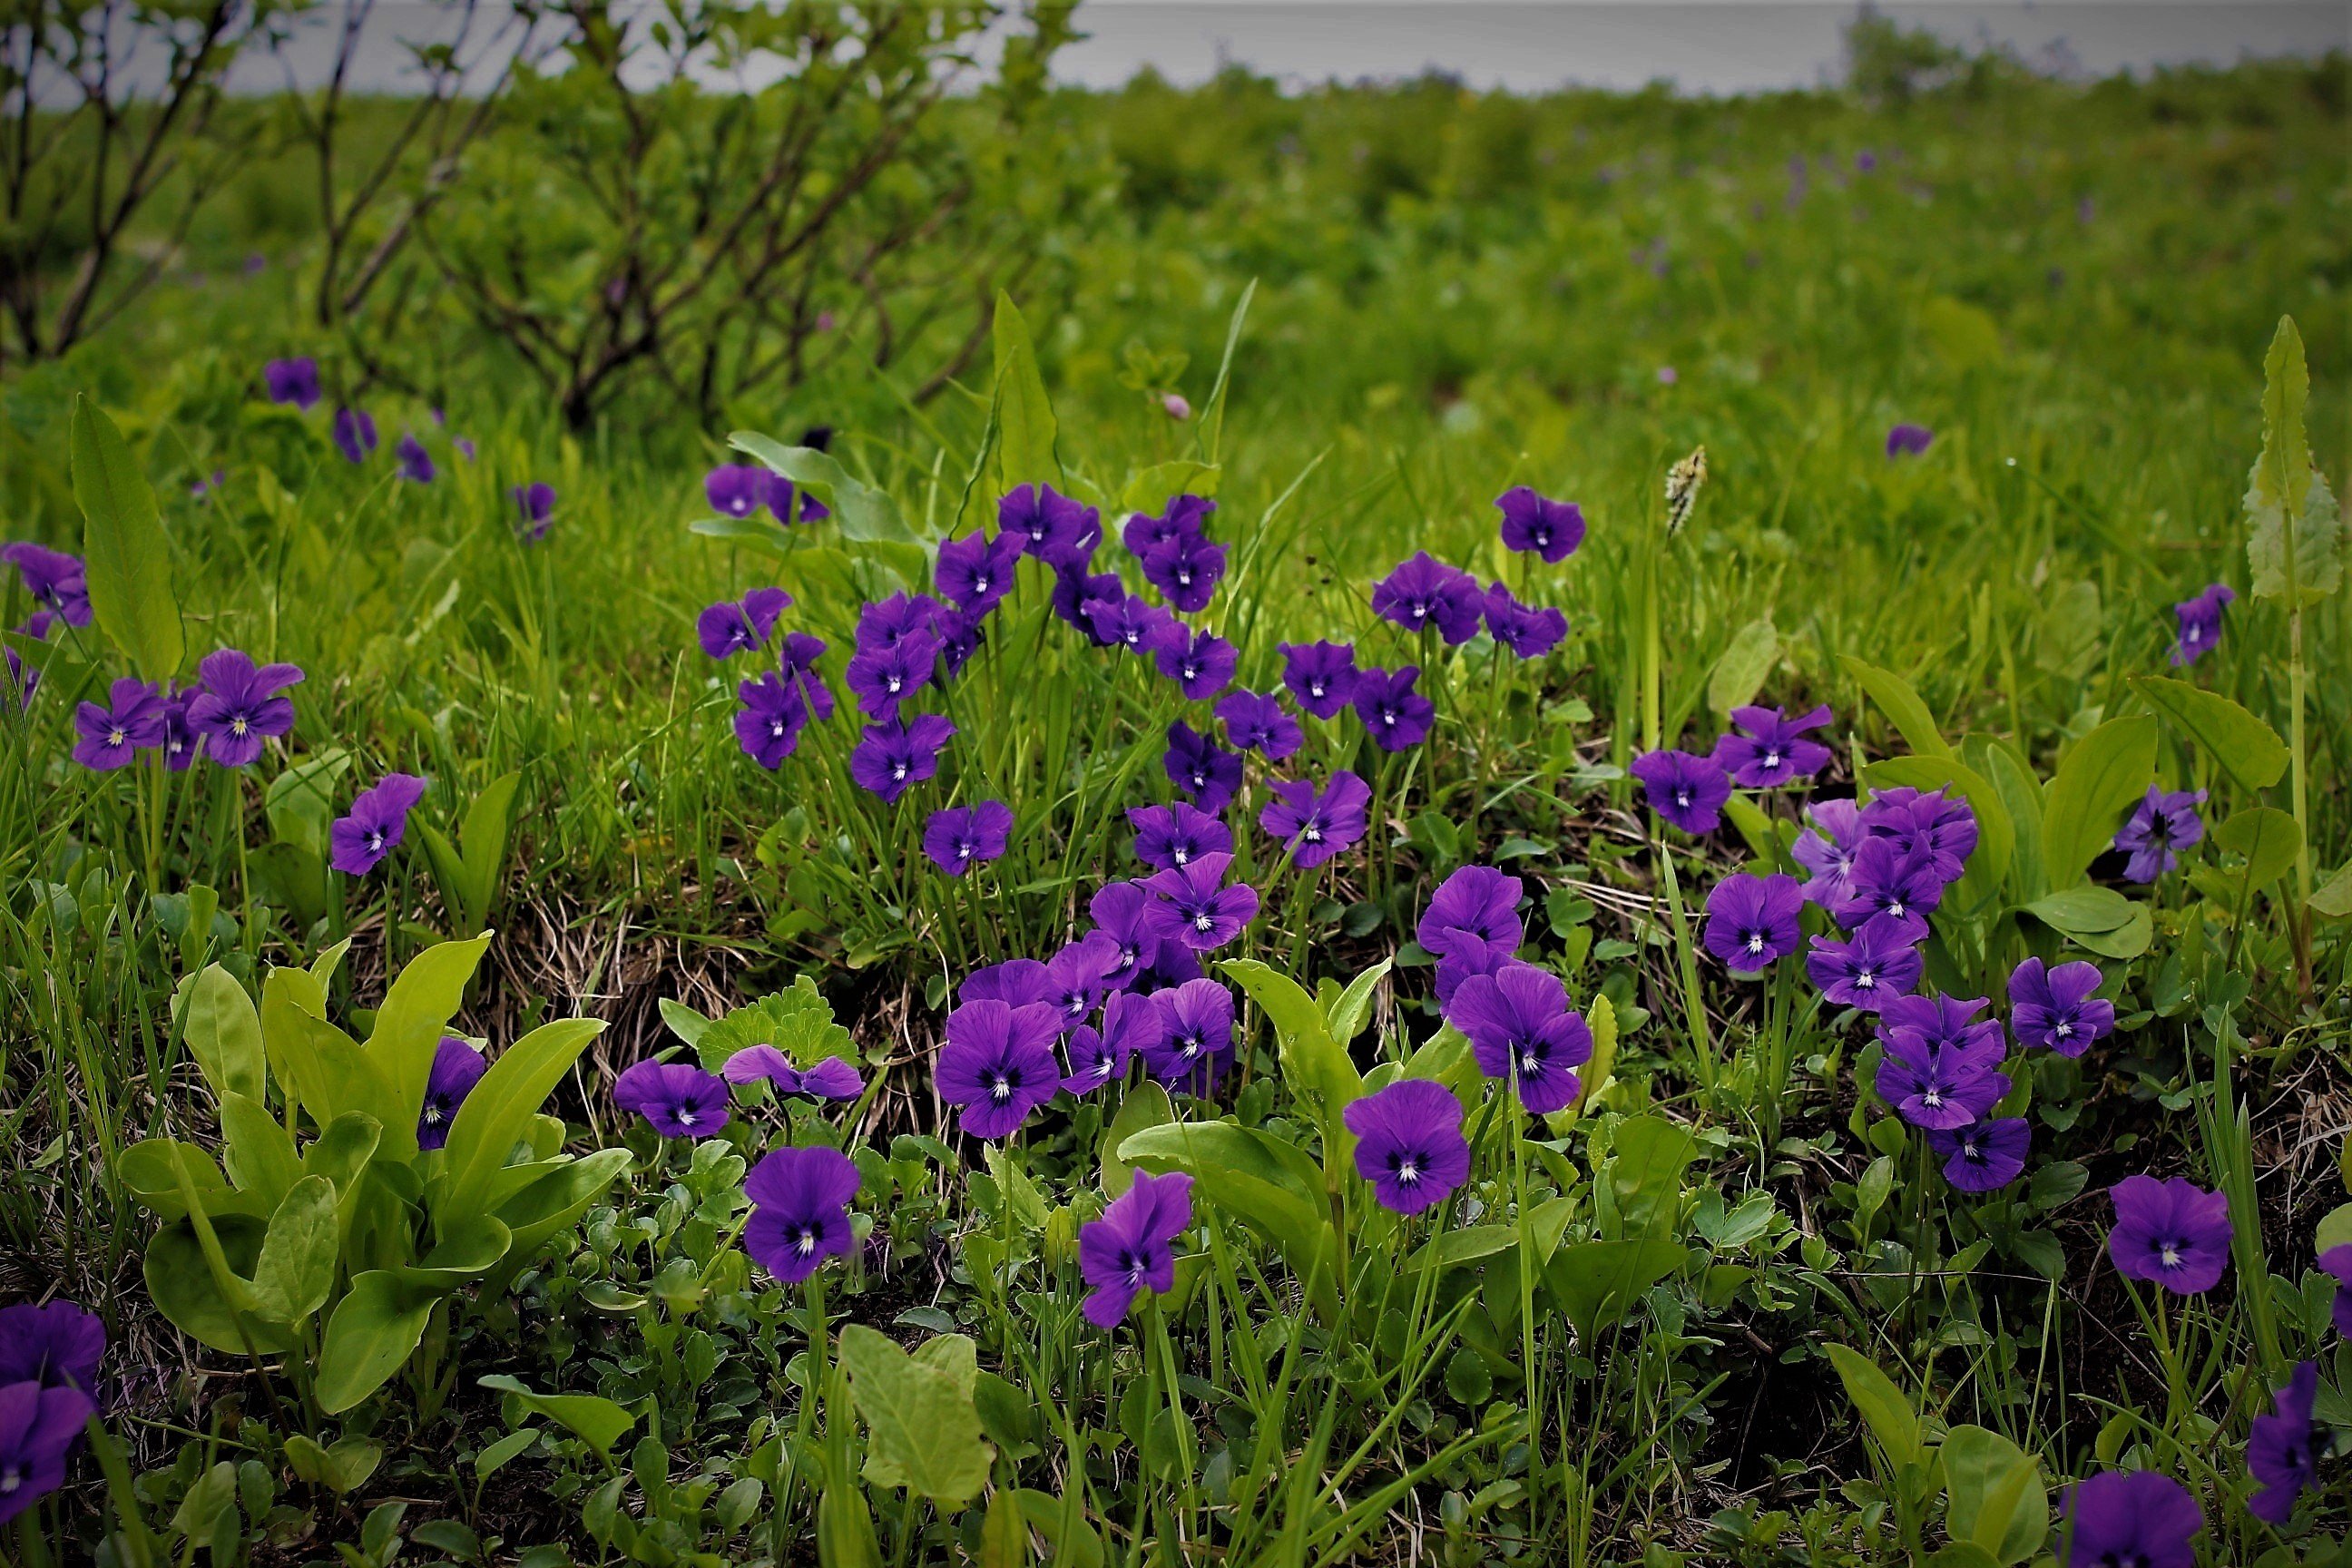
[
  {"x": 296, "y": 1268},
  {"x": 223, "y": 1032},
  {"x": 494, "y": 1114},
  {"x": 374, "y": 1329},
  {"x": 181, "y": 1284},
  {"x": 922, "y": 1426},
  {"x": 408, "y": 1028},
  {"x": 258, "y": 1150}
]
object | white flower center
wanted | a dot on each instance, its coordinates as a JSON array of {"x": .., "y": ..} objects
[
  {"x": 1863, "y": 980},
  {"x": 2061, "y": 1031},
  {"x": 1001, "y": 1090},
  {"x": 963, "y": 851},
  {"x": 898, "y": 772},
  {"x": 1754, "y": 942},
  {"x": 237, "y": 725},
  {"x": 1314, "y": 688},
  {"x": 432, "y": 1114},
  {"x": 1312, "y": 834},
  {"x": 1203, "y": 921},
  {"x": 686, "y": 1117},
  {"x": 375, "y": 840},
  {"x": 115, "y": 737},
  {"x": 1681, "y": 798},
  {"x": 1529, "y": 1064},
  {"x": 1407, "y": 1173},
  {"x": 806, "y": 1242},
  {"x": 2170, "y": 1255},
  {"x": 1932, "y": 1097},
  {"x": 1179, "y": 854},
  {"x": 1771, "y": 759}
]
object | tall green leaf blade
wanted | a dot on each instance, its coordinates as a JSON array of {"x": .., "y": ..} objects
[
  {"x": 1740, "y": 673},
  {"x": 2244, "y": 747},
  {"x": 2292, "y": 513},
  {"x": 1902, "y": 706},
  {"x": 1883, "y": 1408},
  {"x": 127, "y": 560},
  {"x": 374, "y": 1329},
  {"x": 492, "y": 1118},
  {"x": 1025, "y": 453},
  {"x": 408, "y": 1028},
  {"x": 2085, "y": 801}
]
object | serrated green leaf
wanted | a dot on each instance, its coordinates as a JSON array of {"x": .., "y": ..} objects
[
  {"x": 2294, "y": 530},
  {"x": 922, "y": 1426}
]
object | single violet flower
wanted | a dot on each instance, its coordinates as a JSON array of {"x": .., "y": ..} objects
[
  {"x": 959, "y": 837},
  {"x": 678, "y": 1100},
  {"x": 1409, "y": 1144},
  {"x": 379, "y": 815}
]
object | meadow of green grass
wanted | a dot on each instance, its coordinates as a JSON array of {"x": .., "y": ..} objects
[{"x": 1380, "y": 308}]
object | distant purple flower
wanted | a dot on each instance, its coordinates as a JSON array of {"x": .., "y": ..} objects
[
  {"x": 1196, "y": 907},
  {"x": 1943, "y": 826},
  {"x": 2200, "y": 623},
  {"x": 1936, "y": 1090},
  {"x": 999, "y": 1065},
  {"x": 1686, "y": 789},
  {"x": 1200, "y": 768},
  {"x": 240, "y": 706},
  {"x": 679, "y": 1100},
  {"x": 1667, "y": 375},
  {"x": 1477, "y": 905},
  {"x": 1184, "y": 518},
  {"x": 180, "y": 743},
  {"x": 56, "y": 1345},
  {"x": 416, "y": 463},
  {"x": 976, "y": 572},
  {"x": 39, "y": 1427},
  {"x": 800, "y": 1210},
  {"x": 1016, "y": 982},
  {"x": 1519, "y": 1025},
  {"x": 1132, "y": 622},
  {"x": 1908, "y": 440},
  {"x": 1168, "y": 837},
  {"x": 1131, "y": 1248},
  {"x": 130, "y": 723},
  {"x": 1186, "y": 572},
  {"x": 2336, "y": 1263},
  {"x": 1131, "y": 1024},
  {"x": 1315, "y": 827},
  {"x": 1827, "y": 847},
  {"x": 1196, "y": 1043},
  {"x": 731, "y": 626},
  {"x": 797, "y": 654},
  {"x": 1751, "y": 921},
  {"x": 735, "y": 489},
  {"x": 55, "y": 580},
  {"x": 1895, "y": 890},
  {"x": 1052, "y": 527},
  {"x": 1551, "y": 529},
  {"x": 2174, "y": 1234},
  {"x": 294, "y": 381},
  {"x": 1321, "y": 675},
  {"x": 830, "y": 1078},
  {"x": 2135, "y": 1518},
  {"x": 1984, "y": 1156},
  {"x": 1396, "y": 716},
  {"x": 354, "y": 432},
  {"x": 1409, "y": 1144},
  {"x": 1526, "y": 631},
  {"x": 1256, "y": 723},
  {"x": 1077, "y": 977},
  {"x": 778, "y": 492},
  {"x": 960, "y": 633},
  {"x": 2055, "y": 1009},
  {"x": 204, "y": 489},
  {"x": 958, "y": 837},
  {"x": 465, "y": 444},
  {"x": 1200, "y": 663},
  {"x": 1425, "y": 592},
  {"x": 768, "y": 725},
  {"x": 1173, "y": 404},
  {"x": 892, "y": 758},
  {"x": 1120, "y": 911},
  {"x": 2163, "y": 824},
  {"x": 534, "y": 505},
  {"x": 1769, "y": 749},
  {"x": 2282, "y": 1447},
  {"x": 883, "y": 677},
  {"x": 456, "y": 1069},
  {"x": 372, "y": 830},
  {"x": 1867, "y": 971},
  {"x": 1081, "y": 599}
]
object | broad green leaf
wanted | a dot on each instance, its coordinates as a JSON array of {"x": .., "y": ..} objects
[
  {"x": 301, "y": 801},
  {"x": 1315, "y": 1066},
  {"x": 342, "y": 1467},
  {"x": 1268, "y": 1185},
  {"x": 408, "y": 1028},
  {"x": 1597, "y": 1282},
  {"x": 1352, "y": 1009},
  {"x": 493, "y": 1118},
  {"x": 1145, "y": 1105},
  {"x": 1901, "y": 705},
  {"x": 464, "y": 1251},
  {"x": 1062, "y": 1520},
  {"x": 223, "y": 1030},
  {"x": 1884, "y": 1407},
  {"x": 859, "y": 513},
  {"x": 2335, "y": 1227},
  {"x": 126, "y": 560},
  {"x": 489, "y": 821},
  {"x": 684, "y": 1022},
  {"x": 1994, "y": 1494},
  {"x": 296, "y": 1268},
  {"x": 844, "y": 1525},
  {"x": 258, "y": 1150},
  {"x": 2268, "y": 838},
  {"x": 595, "y": 1421},
  {"x": 2333, "y": 899},
  {"x": 2294, "y": 530},
  {"x": 1019, "y": 1191},
  {"x": 374, "y": 1329},
  {"x": 2084, "y": 802},
  {"x": 557, "y": 1199},
  {"x": 151, "y": 1170},
  {"x": 1024, "y": 452},
  {"x": 2021, "y": 797},
  {"x": 1989, "y": 863},
  {"x": 180, "y": 1282},
  {"x": 327, "y": 1072},
  {"x": 1739, "y": 674},
  {"x": 1647, "y": 1156},
  {"x": 2099, "y": 919},
  {"x": 1961, "y": 1554},
  {"x": 922, "y": 1428},
  {"x": 1004, "y": 1533},
  {"x": 2244, "y": 747}
]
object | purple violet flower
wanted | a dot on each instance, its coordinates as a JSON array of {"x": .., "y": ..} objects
[
  {"x": 832, "y": 1078},
  {"x": 1186, "y": 572},
  {"x": 778, "y": 492},
  {"x": 1477, "y": 906},
  {"x": 958, "y": 837},
  {"x": 1078, "y": 977},
  {"x": 1121, "y": 912},
  {"x": 414, "y": 462},
  {"x": 240, "y": 706},
  {"x": 354, "y": 432},
  {"x": 2162, "y": 825},
  {"x": 1908, "y": 440},
  {"x": 731, "y": 626},
  {"x": 975, "y": 573},
  {"x": 456, "y": 1069},
  {"x": 1686, "y": 789},
  {"x": 1892, "y": 889},
  {"x": 1052, "y": 527},
  {"x": 797, "y": 654},
  {"x": 735, "y": 489},
  {"x": 58, "y": 1344},
  {"x": 678, "y": 1100},
  {"x": 1196, "y": 1042},
  {"x": 2336, "y": 1263},
  {"x": 1196, "y": 907},
  {"x": 1256, "y": 723},
  {"x": 892, "y": 757},
  {"x": 1425, "y": 592},
  {"x": 1551, "y": 529},
  {"x": 1943, "y": 826},
  {"x": 1409, "y": 1144},
  {"x": 39, "y": 1427},
  {"x": 1184, "y": 519},
  {"x": 2200, "y": 623},
  {"x": 1984, "y": 1156},
  {"x": 1131, "y": 1248},
  {"x": 767, "y": 726},
  {"x": 1170, "y": 838},
  {"x": 1396, "y": 716},
  {"x": 1314, "y": 827},
  {"x": 1200, "y": 663},
  {"x": 534, "y": 506},
  {"x": 1016, "y": 982},
  {"x": 2174, "y": 1234},
  {"x": 2129, "y": 1516},
  {"x": 1200, "y": 768},
  {"x": 1131, "y": 1024},
  {"x": 1936, "y": 1090},
  {"x": 55, "y": 580},
  {"x": 999, "y": 1065},
  {"x": 2055, "y": 1009},
  {"x": 1827, "y": 847},
  {"x": 1867, "y": 971},
  {"x": 883, "y": 677},
  {"x": 1768, "y": 749},
  {"x": 1526, "y": 631},
  {"x": 1520, "y": 1026},
  {"x": 800, "y": 1210},
  {"x": 1751, "y": 921},
  {"x": 378, "y": 816},
  {"x": 294, "y": 381},
  {"x": 1320, "y": 676},
  {"x": 1132, "y": 622},
  {"x": 1080, "y": 596},
  {"x": 2282, "y": 1447},
  {"x": 132, "y": 721}
]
